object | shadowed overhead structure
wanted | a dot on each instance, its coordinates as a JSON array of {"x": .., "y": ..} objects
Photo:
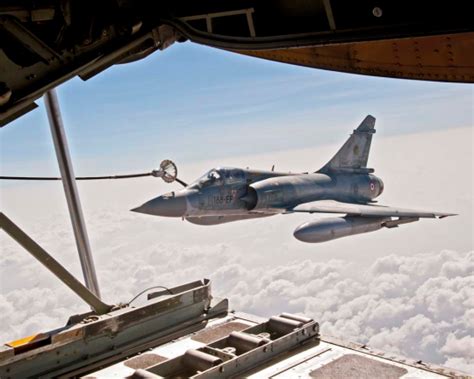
[
  {"x": 45, "y": 43},
  {"x": 446, "y": 58}
]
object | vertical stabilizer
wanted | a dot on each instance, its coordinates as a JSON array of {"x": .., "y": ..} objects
[{"x": 353, "y": 155}]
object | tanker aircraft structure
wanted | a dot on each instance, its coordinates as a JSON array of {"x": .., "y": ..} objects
[{"x": 345, "y": 186}]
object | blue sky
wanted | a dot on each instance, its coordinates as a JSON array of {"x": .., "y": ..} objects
[{"x": 192, "y": 103}]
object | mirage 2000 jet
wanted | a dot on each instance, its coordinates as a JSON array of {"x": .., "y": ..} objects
[{"x": 343, "y": 186}]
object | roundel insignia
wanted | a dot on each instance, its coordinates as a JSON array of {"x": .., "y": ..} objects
[{"x": 372, "y": 186}]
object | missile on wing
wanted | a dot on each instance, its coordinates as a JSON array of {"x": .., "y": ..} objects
[{"x": 337, "y": 227}]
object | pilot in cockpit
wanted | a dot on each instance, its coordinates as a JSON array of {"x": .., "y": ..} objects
[{"x": 214, "y": 176}]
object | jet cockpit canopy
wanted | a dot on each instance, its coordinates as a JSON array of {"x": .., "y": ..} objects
[
  {"x": 218, "y": 176},
  {"x": 211, "y": 177}
]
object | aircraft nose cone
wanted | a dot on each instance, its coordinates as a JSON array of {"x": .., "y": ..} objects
[{"x": 169, "y": 205}]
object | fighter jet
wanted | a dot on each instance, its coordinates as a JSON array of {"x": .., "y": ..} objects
[{"x": 345, "y": 186}]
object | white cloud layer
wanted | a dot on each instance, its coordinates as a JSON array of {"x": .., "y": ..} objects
[{"x": 420, "y": 306}]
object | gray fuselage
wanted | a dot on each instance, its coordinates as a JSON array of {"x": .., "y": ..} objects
[{"x": 231, "y": 194}]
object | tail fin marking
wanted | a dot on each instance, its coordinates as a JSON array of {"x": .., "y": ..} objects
[{"x": 354, "y": 154}]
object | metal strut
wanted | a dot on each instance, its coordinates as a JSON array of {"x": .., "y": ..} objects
[
  {"x": 70, "y": 189},
  {"x": 52, "y": 265}
]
